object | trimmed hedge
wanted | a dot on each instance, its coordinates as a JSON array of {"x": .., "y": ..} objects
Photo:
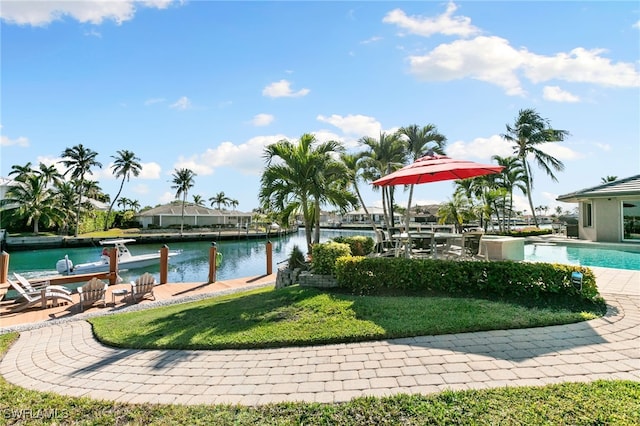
[{"x": 368, "y": 275}]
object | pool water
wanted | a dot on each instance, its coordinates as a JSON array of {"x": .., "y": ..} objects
[{"x": 583, "y": 256}]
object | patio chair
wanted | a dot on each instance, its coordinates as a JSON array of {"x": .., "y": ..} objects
[
  {"x": 39, "y": 297},
  {"x": 93, "y": 291},
  {"x": 384, "y": 246},
  {"x": 142, "y": 287},
  {"x": 37, "y": 286}
]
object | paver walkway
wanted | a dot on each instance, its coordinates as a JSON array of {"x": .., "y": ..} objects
[{"x": 66, "y": 359}]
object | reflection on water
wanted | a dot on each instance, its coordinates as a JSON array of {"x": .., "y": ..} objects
[{"x": 241, "y": 258}]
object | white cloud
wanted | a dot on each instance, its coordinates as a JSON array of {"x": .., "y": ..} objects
[
  {"x": 489, "y": 59},
  {"x": 561, "y": 151},
  {"x": 603, "y": 146},
  {"x": 181, "y": 104},
  {"x": 281, "y": 89},
  {"x": 245, "y": 157},
  {"x": 359, "y": 125},
  {"x": 581, "y": 66},
  {"x": 150, "y": 170},
  {"x": 262, "y": 119},
  {"x": 556, "y": 94},
  {"x": 41, "y": 13},
  {"x": 492, "y": 59},
  {"x": 20, "y": 141},
  {"x": 495, "y": 61},
  {"x": 480, "y": 149},
  {"x": 636, "y": 25},
  {"x": 446, "y": 23}
]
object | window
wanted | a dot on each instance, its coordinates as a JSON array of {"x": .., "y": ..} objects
[
  {"x": 587, "y": 215},
  {"x": 631, "y": 219}
]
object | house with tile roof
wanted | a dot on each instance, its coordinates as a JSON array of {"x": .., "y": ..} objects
[
  {"x": 168, "y": 215},
  {"x": 609, "y": 212}
]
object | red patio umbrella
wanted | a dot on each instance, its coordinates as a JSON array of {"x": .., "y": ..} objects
[{"x": 434, "y": 168}]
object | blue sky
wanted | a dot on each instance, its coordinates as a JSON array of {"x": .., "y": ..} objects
[{"x": 207, "y": 84}]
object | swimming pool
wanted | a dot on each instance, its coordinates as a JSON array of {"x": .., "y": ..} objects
[{"x": 584, "y": 256}]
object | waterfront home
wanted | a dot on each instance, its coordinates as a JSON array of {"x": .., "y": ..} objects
[
  {"x": 609, "y": 212},
  {"x": 169, "y": 215}
]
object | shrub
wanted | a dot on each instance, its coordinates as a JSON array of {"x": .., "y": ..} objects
[
  {"x": 359, "y": 244},
  {"x": 324, "y": 256},
  {"x": 535, "y": 281},
  {"x": 529, "y": 232},
  {"x": 296, "y": 259}
]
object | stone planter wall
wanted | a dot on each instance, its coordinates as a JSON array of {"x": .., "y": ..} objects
[{"x": 307, "y": 279}]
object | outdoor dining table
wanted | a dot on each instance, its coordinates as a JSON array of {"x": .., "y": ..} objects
[{"x": 405, "y": 241}]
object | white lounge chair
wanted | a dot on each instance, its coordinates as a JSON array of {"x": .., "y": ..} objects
[
  {"x": 32, "y": 288},
  {"x": 93, "y": 291},
  {"x": 143, "y": 286},
  {"x": 39, "y": 297}
]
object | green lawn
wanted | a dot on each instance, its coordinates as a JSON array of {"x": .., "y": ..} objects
[
  {"x": 303, "y": 316},
  {"x": 294, "y": 315}
]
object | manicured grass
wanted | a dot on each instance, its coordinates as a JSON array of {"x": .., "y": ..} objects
[
  {"x": 303, "y": 316},
  {"x": 601, "y": 402}
]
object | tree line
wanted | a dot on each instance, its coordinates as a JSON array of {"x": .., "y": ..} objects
[{"x": 300, "y": 177}]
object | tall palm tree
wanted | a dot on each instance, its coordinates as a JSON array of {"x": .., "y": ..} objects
[
  {"x": 31, "y": 201},
  {"x": 234, "y": 203},
  {"x": 529, "y": 132},
  {"x": 183, "y": 181},
  {"x": 220, "y": 199},
  {"x": 299, "y": 177},
  {"x": 512, "y": 177},
  {"x": 421, "y": 140},
  {"x": 381, "y": 157},
  {"x": 124, "y": 165},
  {"x": 79, "y": 161}
]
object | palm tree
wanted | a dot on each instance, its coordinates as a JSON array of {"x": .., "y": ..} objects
[
  {"x": 123, "y": 203},
  {"x": 21, "y": 172},
  {"x": 220, "y": 199},
  {"x": 608, "y": 179},
  {"x": 79, "y": 161},
  {"x": 421, "y": 140},
  {"x": 31, "y": 201},
  {"x": 125, "y": 164},
  {"x": 233, "y": 203},
  {"x": 50, "y": 174},
  {"x": 183, "y": 181},
  {"x": 198, "y": 200},
  {"x": 134, "y": 205},
  {"x": 299, "y": 177},
  {"x": 66, "y": 197},
  {"x": 528, "y": 133},
  {"x": 383, "y": 156},
  {"x": 455, "y": 210},
  {"x": 511, "y": 177},
  {"x": 354, "y": 168}
]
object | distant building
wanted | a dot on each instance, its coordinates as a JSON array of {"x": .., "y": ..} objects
[
  {"x": 609, "y": 212},
  {"x": 194, "y": 215}
]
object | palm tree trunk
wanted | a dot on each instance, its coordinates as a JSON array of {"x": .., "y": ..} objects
[
  {"x": 316, "y": 231},
  {"x": 78, "y": 208},
  {"x": 366, "y": 211},
  {"x": 106, "y": 220},
  {"x": 184, "y": 199},
  {"x": 528, "y": 178}
]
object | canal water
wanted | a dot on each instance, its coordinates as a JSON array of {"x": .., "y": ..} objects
[{"x": 241, "y": 258}]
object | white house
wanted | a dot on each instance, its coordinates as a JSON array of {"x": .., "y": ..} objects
[
  {"x": 194, "y": 215},
  {"x": 609, "y": 212}
]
